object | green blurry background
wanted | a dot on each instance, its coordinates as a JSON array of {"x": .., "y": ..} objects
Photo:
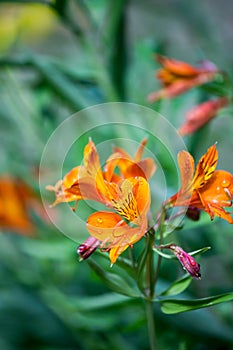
[{"x": 54, "y": 61}]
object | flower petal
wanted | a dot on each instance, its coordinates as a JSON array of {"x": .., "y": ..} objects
[
  {"x": 92, "y": 169},
  {"x": 113, "y": 232},
  {"x": 205, "y": 167},
  {"x": 177, "y": 67},
  {"x": 128, "y": 166},
  {"x": 106, "y": 226},
  {"x": 71, "y": 177},
  {"x": 201, "y": 115},
  {"x": 115, "y": 252},
  {"x": 133, "y": 199},
  {"x": 186, "y": 166},
  {"x": 140, "y": 150}
]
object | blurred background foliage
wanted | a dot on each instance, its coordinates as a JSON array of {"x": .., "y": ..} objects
[{"x": 57, "y": 57}]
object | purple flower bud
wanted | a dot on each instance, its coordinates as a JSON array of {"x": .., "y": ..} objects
[
  {"x": 187, "y": 261},
  {"x": 88, "y": 247}
]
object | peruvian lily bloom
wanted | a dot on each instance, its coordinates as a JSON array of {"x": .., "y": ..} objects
[
  {"x": 201, "y": 115},
  {"x": 205, "y": 188},
  {"x": 17, "y": 199},
  {"x": 127, "y": 195},
  {"x": 178, "y": 77}
]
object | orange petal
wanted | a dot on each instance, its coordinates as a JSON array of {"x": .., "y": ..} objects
[
  {"x": 140, "y": 150},
  {"x": 71, "y": 177},
  {"x": 165, "y": 77},
  {"x": 215, "y": 209},
  {"x": 201, "y": 115},
  {"x": 130, "y": 167},
  {"x": 133, "y": 199},
  {"x": 141, "y": 192},
  {"x": 16, "y": 200},
  {"x": 115, "y": 252},
  {"x": 181, "y": 85},
  {"x": 92, "y": 168},
  {"x": 220, "y": 212},
  {"x": 177, "y": 88},
  {"x": 106, "y": 226},
  {"x": 114, "y": 233},
  {"x": 144, "y": 168},
  {"x": 111, "y": 163},
  {"x": 93, "y": 185},
  {"x": 186, "y": 166},
  {"x": 177, "y": 67},
  {"x": 205, "y": 167},
  {"x": 148, "y": 168},
  {"x": 219, "y": 189}
]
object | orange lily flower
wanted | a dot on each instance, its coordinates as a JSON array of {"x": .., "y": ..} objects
[
  {"x": 127, "y": 194},
  {"x": 178, "y": 77},
  {"x": 16, "y": 200},
  {"x": 206, "y": 189},
  {"x": 201, "y": 115}
]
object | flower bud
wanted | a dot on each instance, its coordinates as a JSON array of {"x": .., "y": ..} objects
[
  {"x": 193, "y": 213},
  {"x": 88, "y": 247},
  {"x": 187, "y": 261}
]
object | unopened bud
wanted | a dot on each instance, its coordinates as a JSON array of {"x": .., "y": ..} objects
[
  {"x": 88, "y": 247},
  {"x": 193, "y": 213},
  {"x": 187, "y": 261}
]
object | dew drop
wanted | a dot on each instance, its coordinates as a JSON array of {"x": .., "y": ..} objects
[
  {"x": 225, "y": 183},
  {"x": 100, "y": 220}
]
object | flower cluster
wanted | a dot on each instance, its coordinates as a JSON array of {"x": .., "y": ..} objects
[
  {"x": 178, "y": 77},
  {"x": 122, "y": 185},
  {"x": 126, "y": 195}
]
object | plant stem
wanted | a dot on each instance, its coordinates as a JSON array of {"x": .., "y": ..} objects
[
  {"x": 149, "y": 292},
  {"x": 161, "y": 228},
  {"x": 150, "y": 266},
  {"x": 151, "y": 324}
]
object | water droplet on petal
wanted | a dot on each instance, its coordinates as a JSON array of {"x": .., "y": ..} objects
[
  {"x": 225, "y": 183},
  {"x": 100, "y": 221}
]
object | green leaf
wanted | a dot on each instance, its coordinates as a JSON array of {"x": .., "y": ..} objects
[
  {"x": 173, "y": 306},
  {"x": 178, "y": 286},
  {"x": 91, "y": 303},
  {"x": 123, "y": 263},
  {"x": 113, "y": 281},
  {"x": 59, "y": 82}
]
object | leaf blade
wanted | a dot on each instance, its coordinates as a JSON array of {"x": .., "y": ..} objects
[{"x": 173, "y": 306}]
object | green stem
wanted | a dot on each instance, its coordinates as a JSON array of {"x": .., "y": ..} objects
[
  {"x": 151, "y": 324},
  {"x": 150, "y": 289},
  {"x": 150, "y": 266},
  {"x": 161, "y": 229},
  {"x": 131, "y": 256}
]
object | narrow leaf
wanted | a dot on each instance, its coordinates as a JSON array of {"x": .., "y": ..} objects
[
  {"x": 178, "y": 286},
  {"x": 173, "y": 306},
  {"x": 113, "y": 281}
]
